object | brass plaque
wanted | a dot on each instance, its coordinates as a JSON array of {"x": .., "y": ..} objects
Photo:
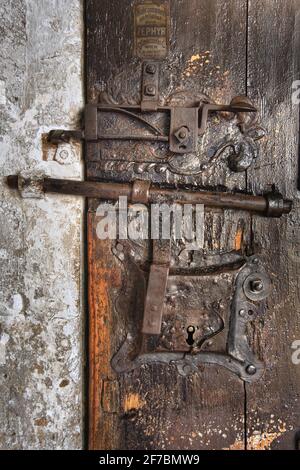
[{"x": 152, "y": 29}]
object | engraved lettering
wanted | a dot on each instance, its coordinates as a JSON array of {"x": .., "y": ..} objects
[{"x": 151, "y": 29}]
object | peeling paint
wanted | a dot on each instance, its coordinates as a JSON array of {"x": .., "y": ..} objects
[
  {"x": 238, "y": 239},
  {"x": 262, "y": 440},
  {"x": 133, "y": 401},
  {"x": 2, "y": 93},
  {"x": 4, "y": 338},
  {"x": 40, "y": 239}
]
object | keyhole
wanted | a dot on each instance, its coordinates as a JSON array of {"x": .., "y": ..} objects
[{"x": 190, "y": 331}]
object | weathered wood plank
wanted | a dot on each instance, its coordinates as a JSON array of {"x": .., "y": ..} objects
[
  {"x": 103, "y": 387},
  {"x": 159, "y": 409},
  {"x": 273, "y": 411}
]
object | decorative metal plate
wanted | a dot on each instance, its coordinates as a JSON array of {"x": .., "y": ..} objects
[
  {"x": 205, "y": 321},
  {"x": 151, "y": 28}
]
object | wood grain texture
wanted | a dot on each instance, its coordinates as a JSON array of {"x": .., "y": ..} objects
[
  {"x": 103, "y": 387},
  {"x": 273, "y": 410},
  {"x": 157, "y": 408}
]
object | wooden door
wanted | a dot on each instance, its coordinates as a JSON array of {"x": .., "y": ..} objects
[{"x": 206, "y": 51}]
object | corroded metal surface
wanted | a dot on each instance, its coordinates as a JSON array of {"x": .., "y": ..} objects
[
  {"x": 193, "y": 315},
  {"x": 270, "y": 205}
]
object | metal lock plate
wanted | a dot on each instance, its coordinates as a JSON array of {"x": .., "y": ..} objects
[
  {"x": 164, "y": 131},
  {"x": 195, "y": 309},
  {"x": 196, "y": 332},
  {"x": 184, "y": 130}
]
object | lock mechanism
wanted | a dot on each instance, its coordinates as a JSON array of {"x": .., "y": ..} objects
[
  {"x": 177, "y": 326},
  {"x": 184, "y": 124},
  {"x": 177, "y": 331},
  {"x": 175, "y": 125}
]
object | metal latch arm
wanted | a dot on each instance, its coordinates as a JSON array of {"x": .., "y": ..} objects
[
  {"x": 186, "y": 124},
  {"x": 270, "y": 205}
]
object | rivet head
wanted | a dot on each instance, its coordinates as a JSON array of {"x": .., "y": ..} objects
[
  {"x": 251, "y": 369},
  {"x": 151, "y": 69},
  {"x": 242, "y": 312},
  {"x": 257, "y": 285},
  {"x": 150, "y": 90},
  {"x": 182, "y": 134}
]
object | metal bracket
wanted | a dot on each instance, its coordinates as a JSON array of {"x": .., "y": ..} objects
[
  {"x": 186, "y": 123},
  {"x": 252, "y": 286},
  {"x": 184, "y": 130},
  {"x": 150, "y": 81},
  {"x": 157, "y": 284},
  {"x": 183, "y": 133}
]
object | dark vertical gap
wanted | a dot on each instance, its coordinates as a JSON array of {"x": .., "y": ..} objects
[
  {"x": 85, "y": 260},
  {"x": 246, "y": 69},
  {"x": 297, "y": 440},
  {"x": 245, "y": 418},
  {"x": 298, "y": 171},
  {"x": 251, "y": 225}
]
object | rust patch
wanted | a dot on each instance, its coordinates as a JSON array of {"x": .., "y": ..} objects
[
  {"x": 133, "y": 401},
  {"x": 64, "y": 383},
  {"x": 237, "y": 445},
  {"x": 259, "y": 440},
  {"x": 198, "y": 62},
  {"x": 48, "y": 149},
  {"x": 102, "y": 277},
  {"x": 263, "y": 441},
  {"x": 41, "y": 422}
]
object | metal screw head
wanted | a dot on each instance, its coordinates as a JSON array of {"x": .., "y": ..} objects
[
  {"x": 251, "y": 369},
  {"x": 151, "y": 69},
  {"x": 257, "y": 285},
  {"x": 182, "y": 134},
  {"x": 150, "y": 90}
]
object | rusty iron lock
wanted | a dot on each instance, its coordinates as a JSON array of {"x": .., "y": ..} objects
[
  {"x": 177, "y": 328},
  {"x": 176, "y": 331},
  {"x": 180, "y": 125},
  {"x": 271, "y": 204},
  {"x": 185, "y": 332},
  {"x": 184, "y": 123}
]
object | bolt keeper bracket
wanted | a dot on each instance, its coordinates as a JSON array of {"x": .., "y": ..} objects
[{"x": 186, "y": 123}]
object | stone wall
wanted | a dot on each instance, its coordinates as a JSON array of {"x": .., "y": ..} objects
[{"x": 41, "y": 310}]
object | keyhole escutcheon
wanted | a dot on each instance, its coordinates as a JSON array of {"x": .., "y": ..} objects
[{"x": 190, "y": 331}]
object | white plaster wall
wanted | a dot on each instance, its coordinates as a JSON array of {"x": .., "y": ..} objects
[{"x": 41, "y": 311}]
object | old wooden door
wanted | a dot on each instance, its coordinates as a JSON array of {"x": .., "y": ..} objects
[{"x": 185, "y": 54}]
